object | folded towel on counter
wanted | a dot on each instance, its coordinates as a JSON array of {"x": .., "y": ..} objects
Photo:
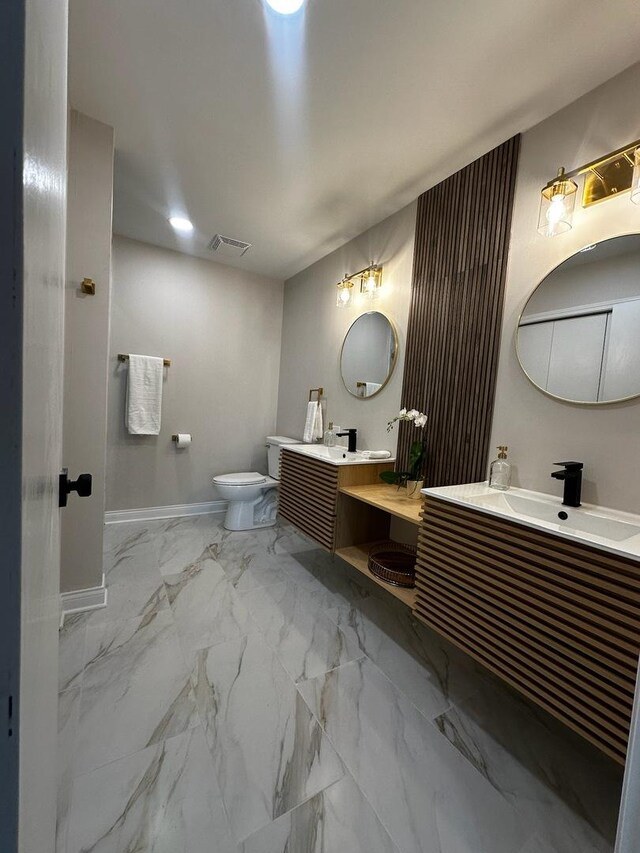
[
  {"x": 309, "y": 433},
  {"x": 144, "y": 395},
  {"x": 375, "y": 454}
]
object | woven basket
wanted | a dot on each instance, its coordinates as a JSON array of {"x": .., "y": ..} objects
[{"x": 393, "y": 563}]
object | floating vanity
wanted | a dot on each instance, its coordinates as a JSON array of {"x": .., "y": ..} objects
[
  {"x": 545, "y": 596},
  {"x": 337, "y": 499}
]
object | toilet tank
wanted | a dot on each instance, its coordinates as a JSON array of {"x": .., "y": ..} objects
[{"x": 275, "y": 443}]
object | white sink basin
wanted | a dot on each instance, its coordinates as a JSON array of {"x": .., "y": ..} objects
[
  {"x": 335, "y": 455},
  {"x": 608, "y": 529}
]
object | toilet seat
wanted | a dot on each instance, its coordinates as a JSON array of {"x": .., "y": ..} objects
[
  {"x": 247, "y": 478},
  {"x": 252, "y": 498}
]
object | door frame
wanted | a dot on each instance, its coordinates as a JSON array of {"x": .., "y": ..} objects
[{"x": 12, "y": 66}]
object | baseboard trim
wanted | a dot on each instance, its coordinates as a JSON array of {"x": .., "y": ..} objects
[
  {"x": 81, "y": 600},
  {"x": 156, "y": 512}
]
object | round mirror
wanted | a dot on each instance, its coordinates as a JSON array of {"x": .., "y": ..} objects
[
  {"x": 369, "y": 354},
  {"x": 578, "y": 337}
]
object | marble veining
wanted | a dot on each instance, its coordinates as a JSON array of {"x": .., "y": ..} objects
[
  {"x": 338, "y": 820},
  {"x": 71, "y": 654},
  {"x": 307, "y": 642},
  {"x": 426, "y": 668},
  {"x": 249, "y": 693},
  {"x": 545, "y": 772},
  {"x": 136, "y": 689},
  {"x": 163, "y": 799},
  {"x": 205, "y": 606},
  {"x": 269, "y": 752},
  {"x": 427, "y": 796}
]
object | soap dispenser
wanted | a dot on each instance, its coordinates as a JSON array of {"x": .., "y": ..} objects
[
  {"x": 330, "y": 436},
  {"x": 500, "y": 471}
]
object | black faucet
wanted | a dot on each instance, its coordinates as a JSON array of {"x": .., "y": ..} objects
[
  {"x": 353, "y": 437},
  {"x": 572, "y": 476}
]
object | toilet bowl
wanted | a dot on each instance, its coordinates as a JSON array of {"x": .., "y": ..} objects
[{"x": 253, "y": 497}]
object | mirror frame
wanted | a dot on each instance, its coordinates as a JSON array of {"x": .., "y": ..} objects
[
  {"x": 523, "y": 309},
  {"x": 396, "y": 349}
]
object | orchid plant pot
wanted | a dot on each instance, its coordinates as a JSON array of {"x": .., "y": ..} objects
[{"x": 414, "y": 488}]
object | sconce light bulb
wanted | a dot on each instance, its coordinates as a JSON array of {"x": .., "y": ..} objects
[
  {"x": 556, "y": 211},
  {"x": 345, "y": 295}
]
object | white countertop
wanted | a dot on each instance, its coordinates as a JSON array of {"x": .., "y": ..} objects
[
  {"x": 606, "y": 529},
  {"x": 335, "y": 455}
]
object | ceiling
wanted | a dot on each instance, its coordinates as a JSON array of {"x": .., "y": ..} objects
[{"x": 297, "y": 134}]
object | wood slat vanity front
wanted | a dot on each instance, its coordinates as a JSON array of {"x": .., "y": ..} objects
[
  {"x": 309, "y": 499},
  {"x": 344, "y": 508},
  {"x": 557, "y": 619}
]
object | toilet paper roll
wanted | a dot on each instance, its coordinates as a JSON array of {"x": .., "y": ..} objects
[{"x": 183, "y": 439}]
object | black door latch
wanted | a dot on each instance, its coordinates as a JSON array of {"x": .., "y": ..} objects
[{"x": 82, "y": 486}]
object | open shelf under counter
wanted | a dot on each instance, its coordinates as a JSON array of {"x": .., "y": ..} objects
[
  {"x": 358, "y": 557},
  {"x": 387, "y": 498}
]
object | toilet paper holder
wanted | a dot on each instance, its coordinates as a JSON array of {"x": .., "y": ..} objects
[{"x": 175, "y": 437}]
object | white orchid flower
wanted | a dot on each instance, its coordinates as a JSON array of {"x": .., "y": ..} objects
[
  {"x": 420, "y": 421},
  {"x": 402, "y": 413},
  {"x": 412, "y": 414}
]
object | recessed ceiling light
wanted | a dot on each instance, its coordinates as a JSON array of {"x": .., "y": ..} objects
[
  {"x": 179, "y": 223},
  {"x": 285, "y": 7}
]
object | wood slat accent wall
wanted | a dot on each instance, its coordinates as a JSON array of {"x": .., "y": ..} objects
[
  {"x": 455, "y": 318},
  {"x": 557, "y": 620}
]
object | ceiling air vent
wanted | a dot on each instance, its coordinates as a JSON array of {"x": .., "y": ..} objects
[{"x": 227, "y": 247}]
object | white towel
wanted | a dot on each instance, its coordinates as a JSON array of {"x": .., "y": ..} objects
[
  {"x": 371, "y": 388},
  {"x": 318, "y": 428},
  {"x": 375, "y": 454},
  {"x": 310, "y": 422},
  {"x": 144, "y": 395}
]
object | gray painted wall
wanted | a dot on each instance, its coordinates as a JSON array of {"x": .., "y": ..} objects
[
  {"x": 221, "y": 327},
  {"x": 314, "y": 328},
  {"x": 540, "y": 430},
  {"x": 89, "y": 207}
]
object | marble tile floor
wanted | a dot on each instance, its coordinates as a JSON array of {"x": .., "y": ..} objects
[{"x": 247, "y": 693}]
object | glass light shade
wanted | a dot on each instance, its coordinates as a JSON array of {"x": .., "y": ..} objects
[
  {"x": 371, "y": 282},
  {"x": 557, "y": 201},
  {"x": 635, "y": 179},
  {"x": 345, "y": 293}
]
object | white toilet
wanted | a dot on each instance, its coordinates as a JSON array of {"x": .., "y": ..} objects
[{"x": 253, "y": 498}]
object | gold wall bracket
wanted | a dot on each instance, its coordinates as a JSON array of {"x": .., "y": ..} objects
[
  {"x": 88, "y": 286},
  {"x": 608, "y": 176}
]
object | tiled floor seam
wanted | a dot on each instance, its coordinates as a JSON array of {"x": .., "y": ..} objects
[{"x": 350, "y": 771}]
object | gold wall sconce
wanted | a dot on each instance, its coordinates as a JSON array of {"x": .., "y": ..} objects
[
  {"x": 615, "y": 173},
  {"x": 345, "y": 293},
  {"x": 370, "y": 285}
]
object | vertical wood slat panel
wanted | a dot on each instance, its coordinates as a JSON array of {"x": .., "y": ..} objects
[{"x": 453, "y": 336}]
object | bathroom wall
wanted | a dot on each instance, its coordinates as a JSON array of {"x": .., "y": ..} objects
[
  {"x": 314, "y": 329},
  {"x": 538, "y": 429},
  {"x": 89, "y": 209},
  {"x": 221, "y": 327}
]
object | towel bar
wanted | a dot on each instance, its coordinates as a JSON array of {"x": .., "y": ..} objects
[
  {"x": 318, "y": 391},
  {"x": 122, "y": 356}
]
